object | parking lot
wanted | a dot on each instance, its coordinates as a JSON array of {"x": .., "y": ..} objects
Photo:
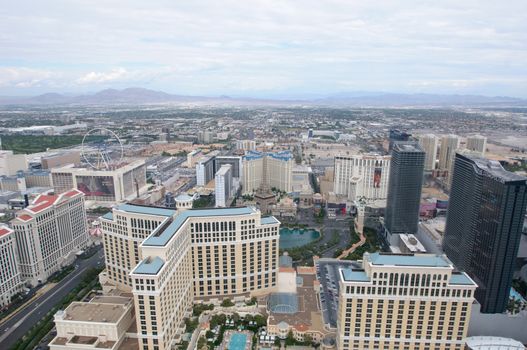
[{"x": 328, "y": 276}]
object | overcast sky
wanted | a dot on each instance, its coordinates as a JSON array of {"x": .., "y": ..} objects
[{"x": 264, "y": 48}]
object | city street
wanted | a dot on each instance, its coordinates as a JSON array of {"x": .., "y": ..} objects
[{"x": 22, "y": 322}]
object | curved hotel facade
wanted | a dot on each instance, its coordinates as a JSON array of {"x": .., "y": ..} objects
[{"x": 169, "y": 258}]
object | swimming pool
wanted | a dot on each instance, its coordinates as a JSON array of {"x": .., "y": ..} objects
[
  {"x": 238, "y": 341},
  {"x": 290, "y": 238},
  {"x": 517, "y": 296}
]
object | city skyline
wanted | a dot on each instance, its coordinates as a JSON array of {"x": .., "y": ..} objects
[{"x": 264, "y": 49}]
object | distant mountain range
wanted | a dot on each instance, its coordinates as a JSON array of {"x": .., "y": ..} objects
[{"x": 140, "y": 96}]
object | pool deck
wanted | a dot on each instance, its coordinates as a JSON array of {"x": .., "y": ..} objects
[{"x": 227, "y": 338}]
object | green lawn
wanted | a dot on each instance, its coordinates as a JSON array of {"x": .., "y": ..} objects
[{"x": 40, "y": 143}]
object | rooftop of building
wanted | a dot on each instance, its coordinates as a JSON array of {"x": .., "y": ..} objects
[
  {"x": 306, "y": 315},
  {"x": 407, "y": 146},
  {"x": 417, "y": 260},
  {"x": 45, "y": 201},
  {"x": 353, "y": 274},
  {"x": 281, "y": 155},
  {"x": 83, "y": 341},
  {"x": 269, "y": 220},
  {"x": 149, "y": 266},
  {"x": 146, "y": 210},
  {"x": 4, "y": 230},
  {"x": 350, "y": 275},
  {"x": 183, "y": 197},
  {"x": 492, "y": 167},
  {"x": 460, "y": 278},
  {"x": 161, "y": 237},
  {"x": 95, "y": 312},
  {"x": 225, "y": 168}
]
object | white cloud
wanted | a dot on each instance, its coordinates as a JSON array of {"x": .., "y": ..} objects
[
  {"x": 23, "y": 77},
  {"x": 103, "y": 77},
  {"x": 211, "y": 47}
]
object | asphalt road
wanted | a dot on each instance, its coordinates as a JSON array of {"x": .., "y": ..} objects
[{"x": 22, "y": 322}]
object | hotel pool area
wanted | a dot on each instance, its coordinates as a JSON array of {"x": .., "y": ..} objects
[
  {"x": 238, "y": 340},
  {"x": 516, "y": 296},
  {"x": 291, "y": 238}
]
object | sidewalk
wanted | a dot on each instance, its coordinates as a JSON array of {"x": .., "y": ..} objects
[{"x": 353, "y": 247}]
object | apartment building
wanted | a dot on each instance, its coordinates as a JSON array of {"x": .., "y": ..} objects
[
  {"x": 278, "y": 169},
  {"x": 429, "y": 143},
  {"x": 169, "y": 258},
  {"x": 10, "y": 278},
  {"x": 404, "y": 302},
  {"x": 447, "y": 151},
  {"x": 223, "y": 186},
  {"x": 49, "y": 233},
  {"x": 362, "y": 176}
]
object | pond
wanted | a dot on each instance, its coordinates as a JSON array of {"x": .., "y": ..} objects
[{"x": 297, "y": 237}]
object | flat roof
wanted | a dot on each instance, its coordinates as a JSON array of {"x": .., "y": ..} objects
[
  {"x": 407, "y": 146},
  {"x": 147, "y": 210},
  {"x": 461, "y": 278},
  {"x": 149, "y": 266},
  {"x": 162, "y": 238},
  {"x": 95, "y": 312},
  {"x": 425, "y": 260},
  {"x": 269, "y": 220},
  {"x": 350, "y": 275}
]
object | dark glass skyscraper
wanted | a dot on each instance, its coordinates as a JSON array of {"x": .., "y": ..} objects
[
  {"x": 484, "y": 223},
  {"x": 397, "y": 135},
  {"x": 404, "y": 188}
]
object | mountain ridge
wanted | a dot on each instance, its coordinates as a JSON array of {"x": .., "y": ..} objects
[{"x": 141, "y": 96}]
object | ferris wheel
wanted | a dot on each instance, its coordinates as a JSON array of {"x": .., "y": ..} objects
[{"x": 102, "y": 154}]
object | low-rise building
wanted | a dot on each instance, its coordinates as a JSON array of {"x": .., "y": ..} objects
[
  {"x": 99, "y": 324},
  {"x": 125, "y": 182}
]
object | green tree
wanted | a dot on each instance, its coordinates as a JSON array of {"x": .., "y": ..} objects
[
  {"x": 227, "y": 303},
  {"x": 290, "y": 339},
  {"x": 202, "y": 342}
]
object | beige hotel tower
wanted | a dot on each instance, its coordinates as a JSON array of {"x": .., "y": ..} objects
[
  {"x": 168, "y": 258},
  {"x": 404, "y": 302}
]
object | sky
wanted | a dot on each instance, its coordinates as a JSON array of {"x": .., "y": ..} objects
[{"x": 265, "y": 48}]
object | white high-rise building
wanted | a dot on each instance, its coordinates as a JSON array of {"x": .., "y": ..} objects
[
  {"x": 204, "y": 171},
  {"x": 401, "y": 301},
  {"x": 362, "y": 176},
  {"x": 477, "y": 143},
  {"x": 223, "y": 185},
  {"x": 429, "y": 143},
  {"x": 192, "y": 157},
  {"x": 246, "y": 145},
  {"x": 10, "y": 278},
  {"x": 10, "y": 163},
  {"x": 447, "y": 152},
  {"x": 279, "y": 167},
  {"x": 49, "y": 233}
]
